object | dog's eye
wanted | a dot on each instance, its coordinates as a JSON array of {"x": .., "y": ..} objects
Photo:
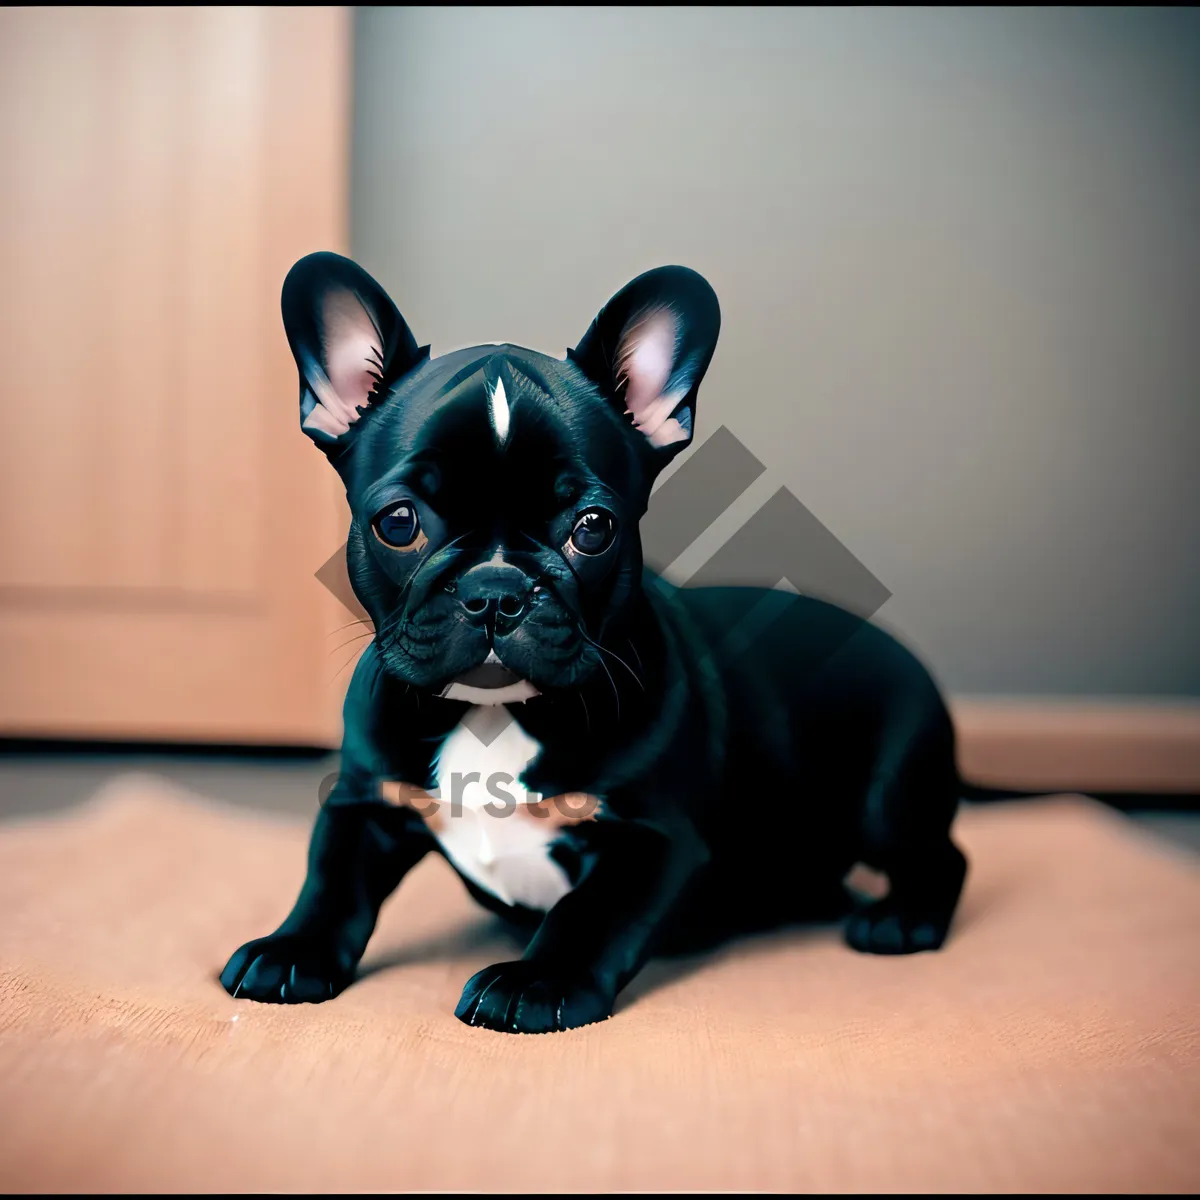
[
  {"x": 398, "y": 526},
  {"x": 594, "y": 531}
]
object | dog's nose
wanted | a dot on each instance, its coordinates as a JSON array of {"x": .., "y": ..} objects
[{"x": 494, "y": 590}]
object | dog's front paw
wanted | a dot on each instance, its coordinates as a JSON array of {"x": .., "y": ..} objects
[
  {"x": 285, "y": 969},
  {"x": 527, "y": 997},
  {"x": 885, "y": 928}
]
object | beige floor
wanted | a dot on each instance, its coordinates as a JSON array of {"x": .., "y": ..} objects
[{"x": 1053, "y": 1045}]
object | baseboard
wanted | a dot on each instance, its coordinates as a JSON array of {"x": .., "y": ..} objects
[{"x": 1031, "y": 744}]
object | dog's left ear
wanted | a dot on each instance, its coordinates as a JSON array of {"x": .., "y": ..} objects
[{"x": 648, "y": 349}]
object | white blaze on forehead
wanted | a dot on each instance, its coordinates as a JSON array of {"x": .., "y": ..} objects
[{"x": 498, "y": 409}]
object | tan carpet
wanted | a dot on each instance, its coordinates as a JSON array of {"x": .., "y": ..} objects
[{"x": 1053, "y": 1045}]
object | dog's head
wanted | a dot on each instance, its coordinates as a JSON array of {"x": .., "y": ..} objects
[{"x": 495, "y": 492}]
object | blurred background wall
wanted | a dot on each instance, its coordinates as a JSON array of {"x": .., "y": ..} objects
[{"x": 958, "y": 258}]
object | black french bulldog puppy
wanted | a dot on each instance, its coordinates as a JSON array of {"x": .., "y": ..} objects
[{"x": 574, "y": 736}]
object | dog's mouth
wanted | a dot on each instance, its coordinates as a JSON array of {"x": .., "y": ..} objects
[
  {"x": 488, "y": 675},
  {"x": 489, "y": 683}
]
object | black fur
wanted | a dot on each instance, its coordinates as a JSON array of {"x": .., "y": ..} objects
[{"x": 738, "y": 787}]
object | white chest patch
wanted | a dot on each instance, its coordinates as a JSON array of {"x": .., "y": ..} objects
[{"x": 495, "y": 832}]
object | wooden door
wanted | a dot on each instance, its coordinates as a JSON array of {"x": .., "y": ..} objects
[{"x": 161, "y": 514}]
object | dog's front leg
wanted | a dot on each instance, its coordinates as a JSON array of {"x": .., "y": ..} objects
[
  {"x": 358, "y": 854},
  {"x": 595, "y": 939}
]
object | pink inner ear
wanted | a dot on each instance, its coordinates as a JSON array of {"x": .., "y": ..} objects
[
  {"x": 645, "y": 357},
  {"x": 353, "y": 362},
  {"x": 644, "y": 360}
]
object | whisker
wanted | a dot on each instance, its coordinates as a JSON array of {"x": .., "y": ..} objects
[
  {"x": 636, "y": 655},
  {"x": 613, "y": 684},
  {"x": 586, "y": 715},
  {"x": 353, "y": 658},
  {"x": 339, "y": 628},
  {"x": 356, "y": 638},
  {"x": 606, "y": 650}
]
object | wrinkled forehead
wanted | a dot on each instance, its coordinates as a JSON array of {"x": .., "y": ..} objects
[{"x": 501, "y": 412}]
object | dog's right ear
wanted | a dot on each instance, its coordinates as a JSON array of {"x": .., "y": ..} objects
[{"x": 350, "y": 343}]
